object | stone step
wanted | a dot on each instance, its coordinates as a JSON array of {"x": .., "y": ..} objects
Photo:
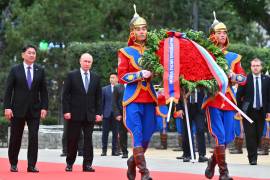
[{"x": 50, "y": 137}]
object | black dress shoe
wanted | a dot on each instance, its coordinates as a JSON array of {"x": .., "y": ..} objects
[
  {"x": 32, "y": 169},
  {"x": 186, "y": 159},
  {"x": 125, "y": 155},
  {"x": 203, "y": 159},
  {"x": 180, "y": 157},
  {"x": 68, "y": 168},
  {"x": 253, "y": 162},
  {"x": 13, "y": 168},
  {"x": 103, "y": 154},
  {"x": 115, "y": 154},
  {"x": 88, "y": 168}
]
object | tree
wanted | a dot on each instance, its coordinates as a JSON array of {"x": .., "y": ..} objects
[
  {"x": 257, "y": 11},
  {"x": 3, "y": 4}
]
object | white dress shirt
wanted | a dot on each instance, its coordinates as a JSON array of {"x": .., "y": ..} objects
[
  {"x": 26, "y": 69},
  {"x": 194, "y": 95},
  {"x": 83, "y": 76},
  {"x": 112, "y": 86}
]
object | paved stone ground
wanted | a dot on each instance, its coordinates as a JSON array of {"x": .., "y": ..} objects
[{"x": 162, "y": 160}]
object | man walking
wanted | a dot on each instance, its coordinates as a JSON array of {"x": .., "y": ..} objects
[
  {"x": 139, "y": 97},
  {"x": 253, "y": 97},
  {"x": 219, "y": 113}
]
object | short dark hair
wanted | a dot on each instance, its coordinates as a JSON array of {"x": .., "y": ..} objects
[
  {"x": 28, "y": 46},
  {"x": 113, "y": 73},
  {"x": 256, "y": 60}
]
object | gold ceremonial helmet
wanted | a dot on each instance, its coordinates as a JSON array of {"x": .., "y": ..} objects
[
  {"x": 217, "y": 26},
  {"x": 136, "y": 20}
]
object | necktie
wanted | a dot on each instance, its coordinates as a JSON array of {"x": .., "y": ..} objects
[
  {"x": 86, "y": 82},
  {"x": 257, "y": 94},
  {"x": 28, "y": 77}
]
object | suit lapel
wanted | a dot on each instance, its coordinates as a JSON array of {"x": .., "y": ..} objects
[
  {"x": 21, "y": 71},
  {"x": 80, "y": 81},
  {"x": 251, "y": 85},
  {"x": 35, "y": 74},
  {"x": 110, "y": 90},
  {"x": 263, "y": 81},
  {"x": 90, "y": 81}
]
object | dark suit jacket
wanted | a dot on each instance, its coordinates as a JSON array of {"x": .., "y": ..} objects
[
  {"x": 245, "y": 94},
  {"x": 82, "y": 106},
  {"x": 118, "y": 93},
  {"x": 20, "y": 98},
  {"x": 107, "y": 98}
]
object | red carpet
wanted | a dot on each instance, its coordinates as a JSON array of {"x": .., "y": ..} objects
[{"x": 55, "y": 171}]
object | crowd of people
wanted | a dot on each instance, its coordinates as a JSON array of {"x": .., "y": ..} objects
[{"x": 133, "y": 106}]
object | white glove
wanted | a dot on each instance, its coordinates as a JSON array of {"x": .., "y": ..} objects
[
  {"x": 230, "y": 74},
  {"x": 146, "y": 74}
]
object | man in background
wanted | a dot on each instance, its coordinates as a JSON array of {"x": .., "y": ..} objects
[
  {"x": 109, "y": 122},
  {"x": 118, "y": 114},
  {"x": 253, "y": 98}
]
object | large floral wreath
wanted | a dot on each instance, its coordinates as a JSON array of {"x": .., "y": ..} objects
[{"x": 151, "y": 61}]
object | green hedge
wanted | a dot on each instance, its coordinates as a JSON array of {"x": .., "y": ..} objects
[
  {"x": 50, "y": 120},
  {"x": 248, "y": 53},
  {"x": 104, "y": 55},
  {"x": 3, "y": 131}
]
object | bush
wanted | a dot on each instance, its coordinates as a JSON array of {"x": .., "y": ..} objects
[
  {"x": 248, "y": 53},
  {"x": 104, "y": 55},
  {"x": 50, "y": 120},
  {"x": 3, "y": 131}
]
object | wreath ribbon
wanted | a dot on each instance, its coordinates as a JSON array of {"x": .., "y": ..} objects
[{"x": 171, "y": 69}]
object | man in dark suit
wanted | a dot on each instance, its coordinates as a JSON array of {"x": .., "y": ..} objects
[
  {"x": 254, "y": 99},
  {"x": 196, "y": 115},
  {"x": 81, "y": 107},
  {"x": 118, "y": 114},
  {"x": 109, "y": 122},
  {"x": 26, "y": 100}
]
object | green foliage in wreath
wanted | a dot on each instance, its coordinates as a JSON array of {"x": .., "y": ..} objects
[{"x": 150, "y": 60}]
